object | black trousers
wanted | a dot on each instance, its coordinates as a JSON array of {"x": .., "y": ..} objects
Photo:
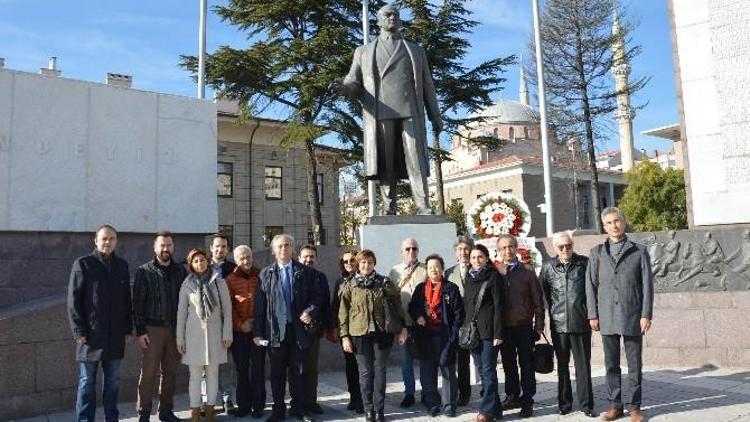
[
  {"x": 249, "y": 361},
  {"x": 518, "y": 350},
  {"x": 352, "y": 377},
  {"x": 463, "y": 363},
  {"x": 372, "y": 358},
  {"x": 287, "y": 361},
  {"x": 311, "y": 369},
  {"x": 429, "y": 368},
  {"x": 580, "y": 345},
  {"x": 633, "y": 354}
]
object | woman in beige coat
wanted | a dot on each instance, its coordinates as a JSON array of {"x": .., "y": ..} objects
[{"x": 204, "y": 329}]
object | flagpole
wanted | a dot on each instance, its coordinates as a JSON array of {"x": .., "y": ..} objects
[
  {"x": 549, "y": 209},
  {"x": 371, "y": 185},
  {"x": 202, "y": 50}
]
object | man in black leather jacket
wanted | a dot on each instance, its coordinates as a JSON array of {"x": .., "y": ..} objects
[
  {"x": 563, "y": 279},
  {"x": 156, "y": 292}
]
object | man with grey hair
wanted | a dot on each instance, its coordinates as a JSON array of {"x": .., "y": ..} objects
[
  {"x": 563, "y": 280},
  {"x": 249, "y": 358},
  {"x": 391, "y": 78},
  {"x": 457, "y": 275},
  {"x": 407, "y": 275},
  {"x": 286, "y": 303},
  {"x": 619, "y": 298}
]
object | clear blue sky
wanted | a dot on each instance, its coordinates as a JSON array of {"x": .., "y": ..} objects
[{"x": 145, "y": 38}]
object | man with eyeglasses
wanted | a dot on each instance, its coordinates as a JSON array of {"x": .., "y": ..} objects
[
  {"x": 563, "y": 279},
  {"x": 407, "y": 275}
]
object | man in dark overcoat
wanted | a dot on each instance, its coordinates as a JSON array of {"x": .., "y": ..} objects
[
  {"x": 620, "y": 299},
  {"x": 287, "y": 302},
  {"x": 100, "y": 315}
]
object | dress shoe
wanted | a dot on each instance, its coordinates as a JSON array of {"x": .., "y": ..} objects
[
  {"x": 380, "y": 417},
  {"x": 316, "y": 409},
  {"x": 463, "y": 400},
  {"x": 229, "y": 408},
  {"x": 408, "y": 401},
  {"x": 526, "y": 412},
  {"x": 612, "y": 414},
  {"x": 450, "y": 412},
  {"x": 434, "y": 411},
  {"x": 635, "y": 415},
  {"x": 511, "y": 402},
  {"x": 370, "y": 416},
  {"x": 168, "y": 416},
  {"x": 590, "y": 413},
  {"x": 564, "y": 411},
  {"x": 143, "y": 418}
]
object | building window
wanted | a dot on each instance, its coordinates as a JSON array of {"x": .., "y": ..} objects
[
  {"x": 270, "y": 232},
  {"x": 511, "y": 133},
  {"x": 311, "y": 240},
  {"x": 319, "y": 183},
  {"x": 224, "y": 179},
  {"x": 273, "y": 182},
  {"x": 228, "y": 231}
]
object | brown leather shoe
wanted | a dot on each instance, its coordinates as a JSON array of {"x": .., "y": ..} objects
[
  {"x": 482, "y": 418},
  {"x": 612, "y": 414},
  {"x": 635, "y": 415}
]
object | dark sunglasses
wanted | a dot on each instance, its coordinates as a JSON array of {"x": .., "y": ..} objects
[{"x": 411, "y": 248}]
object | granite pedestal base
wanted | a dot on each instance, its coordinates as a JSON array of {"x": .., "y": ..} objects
[{"x": 384, "y": 234}]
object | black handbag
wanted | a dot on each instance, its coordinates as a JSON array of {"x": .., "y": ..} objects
[
  {"x": 468, "y": 334},
  {"x": 544, "y": 357}
]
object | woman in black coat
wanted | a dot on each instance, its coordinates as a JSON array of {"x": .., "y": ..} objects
[
  {"x": 490, "y": 326},
  {"x": 437, "y": 308},
  {"x": 348, "y": 266}
]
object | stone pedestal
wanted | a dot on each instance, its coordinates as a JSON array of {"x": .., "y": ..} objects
[{"x": 384, "y": 234}]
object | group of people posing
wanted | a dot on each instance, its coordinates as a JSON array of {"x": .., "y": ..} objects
[{"x": 209, "y": 312}]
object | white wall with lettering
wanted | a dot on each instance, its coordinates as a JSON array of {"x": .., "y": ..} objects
[
  {"x": 713, "y": 50},
  {"x": 76, "y": 154}
]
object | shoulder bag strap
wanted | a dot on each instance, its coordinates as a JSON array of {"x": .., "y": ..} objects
[{"x": 478, "y": 301}]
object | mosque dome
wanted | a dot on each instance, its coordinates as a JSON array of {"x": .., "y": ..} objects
[{"x": 507, "y": 111}]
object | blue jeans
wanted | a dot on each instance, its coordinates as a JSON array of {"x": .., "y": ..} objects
[
  {"x": 407, "y": 369},
  {"x": 86, "y": 400},
  {"x": 485, "y": 355}
]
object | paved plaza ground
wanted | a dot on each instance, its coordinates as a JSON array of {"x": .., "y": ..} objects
[{"x": 706, "y": 394}]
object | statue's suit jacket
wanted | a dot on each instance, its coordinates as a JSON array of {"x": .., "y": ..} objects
[{"x": 365, "y": 78}]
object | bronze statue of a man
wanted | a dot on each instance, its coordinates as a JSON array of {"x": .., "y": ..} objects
[{"x": 392, "y": 80}]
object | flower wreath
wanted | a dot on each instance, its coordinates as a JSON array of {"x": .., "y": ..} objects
[{"x": 494, "y": 214}]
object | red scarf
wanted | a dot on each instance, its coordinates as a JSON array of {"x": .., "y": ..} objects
[{"x": 432, "y": 293}]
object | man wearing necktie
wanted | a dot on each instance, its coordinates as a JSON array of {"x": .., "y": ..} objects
[
  {"x": 286, "y": 303},
  {"x": 523, "y": 321},
  {"x": 457, "y": 275},
  {"x": 391, "y": 78}
]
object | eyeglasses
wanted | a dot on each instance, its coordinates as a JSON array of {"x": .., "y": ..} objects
[
  {"x": 565, "y": 246},
  {"x": 411, "y": 248}
]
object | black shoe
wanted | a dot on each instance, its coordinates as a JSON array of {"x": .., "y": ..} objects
[
  {"x": 526, "y": 412},
  {"x": 511, "y": 402},
  {"x": 257, "y": 413},
  {"x": 275, "y": 417},
  {"x": 564, "y": 411},
  {"x": 590, "y": 413},
  {"x": 434, "y": 411},
  {"x": 380, "y": 417},
  {"x": 241, "y": 413},
  {"x": 168, "y": 416},
  {"x": 450, "y": 412},
  {"x": 296, "y": 413},
  {"x": 463, "y": 400},
  {"x": 229, "y": 408},
  {"x": 316, "y": 409},
  {"x": 143, "y": 418},
  {"x": 370, "y": 416},
  {"x": 408, "y": 401}
]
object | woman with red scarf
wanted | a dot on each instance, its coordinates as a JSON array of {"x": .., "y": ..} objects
[{"x": 438, "y": 310}]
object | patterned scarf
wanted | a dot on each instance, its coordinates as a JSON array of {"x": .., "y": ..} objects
[
  {"x": 366, "y": 282},
  {"x": 432, "y": 294}
]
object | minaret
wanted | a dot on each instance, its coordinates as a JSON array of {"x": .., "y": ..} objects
[
  {"x": 523, "y": 90},
  {"x": 625, "y": 113}
]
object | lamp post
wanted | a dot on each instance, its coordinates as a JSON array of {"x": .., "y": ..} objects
[{"x": 202, "y": 50}]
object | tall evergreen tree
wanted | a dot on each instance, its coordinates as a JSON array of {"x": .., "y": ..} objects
[
  {"x": 578, "y": 53},
  {"x": 297, "y": 49}
]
